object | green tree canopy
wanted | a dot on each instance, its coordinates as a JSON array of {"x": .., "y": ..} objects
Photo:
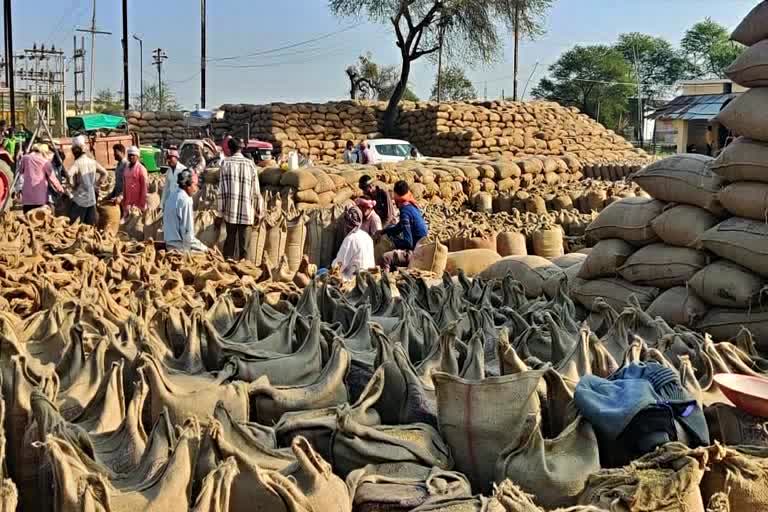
[
  {"x": 591, "y": 78},
  {"x": 455, "y": 85},
  {"x": 152, "y": 99},
  {"x": 659, "y": 65},
  {"x": 369, "y": 80},
  {"x": 707, "y": 44},
  {"x": 107, "y": 101}
]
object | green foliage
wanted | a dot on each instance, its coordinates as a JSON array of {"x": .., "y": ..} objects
[
  {"x": 707, "y": 44},
  {"x": 532, "y": 14},
  {"x": 591, "y": 78},
  {"x": 369, "y": 80},
  {"x": 659, "y": 65},
  {"x": 152, "y": 99},
  {"x": 107, "y": 102},
  {"x": 455, "y": 85}
]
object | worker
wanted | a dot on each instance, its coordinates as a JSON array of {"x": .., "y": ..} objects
[
  {"x": 35, "y": 174},
  {"x": 351, "y": 156},
  {"x": 239, "y": 201},
  {"x": 365, "y": 154},
  {"x": 118, "y": 151},
  {"x": 135, "y": 182},
  {"x": 10, "y": 143},
  {"x": 175, "y": 168},
  {"x": 414, "y": 153},
  {"x": 356, "y": 252},
  {"x": 709, "y": 137},
  {"x": 179, "y": 216},
  {"x": 407, "y": 233},
  {"x": 84, "y": 176},
  {"x": 384, "y": 206},
  {"x": 371, "y": 221}
]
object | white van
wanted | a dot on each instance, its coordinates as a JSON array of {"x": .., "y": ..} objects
[{"x": 391, "y": 150}]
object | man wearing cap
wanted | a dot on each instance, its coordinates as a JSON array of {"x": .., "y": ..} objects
[
  {"x": 84, "y": 176},
  {"x": 36, "y": 172},
  {"x": 179, "y": 216},
  {"x": 384, "y": 205},
  {"x": 135, "y": 180},
  {"x": 172, "y": 175}
]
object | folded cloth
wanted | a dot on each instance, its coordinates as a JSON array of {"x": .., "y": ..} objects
[{"x": 612, "y": 404}]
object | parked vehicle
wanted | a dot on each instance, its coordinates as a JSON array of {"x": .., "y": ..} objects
[
  {"x": 259, "y": 150},
  {"x": 102, "y": 131},
  {"x": 391, "y": 150}
]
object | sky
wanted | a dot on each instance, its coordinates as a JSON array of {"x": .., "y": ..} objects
[{"x": 315, "y": 71}]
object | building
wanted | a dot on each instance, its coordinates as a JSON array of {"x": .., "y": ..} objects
[{"x": 685, "y": 121}]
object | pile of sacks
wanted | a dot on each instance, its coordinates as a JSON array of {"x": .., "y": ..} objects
[
  {"x": 156, "y": 127},
  {"x": 507, "y": 129}
]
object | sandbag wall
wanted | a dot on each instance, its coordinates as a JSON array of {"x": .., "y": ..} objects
[{"x": 157, "y": 127}]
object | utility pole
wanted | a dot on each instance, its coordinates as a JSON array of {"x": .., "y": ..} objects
[
  {"x": 440, "y": 63},
  {"x": 640, "y": 113},
  {"x": 159, "y": 56},
  {"x": 141, "y": 71},
  {"x": 8, "y": 17},
  {"x": 203, "y": 51},
  {"x": 517, "y": 48},
  {"x": 93, "y": 33},
  {"x": 79, "y": 67},
  {"x": 485, "y": 91},
  {"x": 126, "y": 94}
]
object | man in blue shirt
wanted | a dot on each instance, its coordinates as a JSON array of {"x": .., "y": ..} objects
[
  {"x": 408, "y": 232},
  {"x": 179, "y": 217}
]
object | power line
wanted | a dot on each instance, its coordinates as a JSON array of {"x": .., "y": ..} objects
[{"x": 309, "y": 58}]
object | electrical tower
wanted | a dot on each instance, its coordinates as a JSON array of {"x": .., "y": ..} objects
[
  {"x": 160, "y": 56},
  {"x": 78, "y": 57},
  {"x": 41, "y": 72},
  {"x": 93, "y": 33}
]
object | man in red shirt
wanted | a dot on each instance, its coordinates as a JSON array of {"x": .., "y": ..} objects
[{"x": 135, "y": 181}]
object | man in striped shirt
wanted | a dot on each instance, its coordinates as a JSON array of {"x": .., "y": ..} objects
[{"x": 239, "y": 200}]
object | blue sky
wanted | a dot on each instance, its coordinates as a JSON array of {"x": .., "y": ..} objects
[{"x": 315, "y": 72}]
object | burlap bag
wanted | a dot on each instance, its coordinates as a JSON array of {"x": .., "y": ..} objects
[
  {"x": 666, "y": 480},
  {"x": 548, "y": 242},
  {"x": 216, "y": 488},
  {"x": 682, "y": 225},
  {"x": 605, "y": 259},
  {"x": 726, "y": 284},
  {"x": 432, "y": 257},
  {"x": 678, "y": 306},
  {"x": 563, "y": 284},
  {"x": 748, "y": 200},
  {"x": 300, "y": 180},
  {"x": 109, "y": 217},
  {"x": 740, "y": 472},
  {"x": 744, "y": 114},
  {"x": 743, "y": 160},
  {"x": 471, "y": 261},
  {"x": 615, "y": 292},
  {"x": 750, "y": 69},
  {"x": 752, "y": 29},
  {"x": 742, "y": 241},
  {"x": 531, "y": 271},
  {"x": 663, "y": 266},
  {"x": 479, "y": 419},
  {"x": 569, "y": 260},
  {"x": 8, "y": 494},
  {"x": 628, "y": 219},
  {"x": 511, "y": 244},
  {"x": 588, "y": 357}
]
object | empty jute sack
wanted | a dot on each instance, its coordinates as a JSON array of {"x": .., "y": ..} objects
[
  {"x": 739, "y": 471},
  {"x": 628, "y": 219},
  {"x": 746, "y": 114},
  {"x": 743, "y": 160},
  {"x": 666, "y": 480}
]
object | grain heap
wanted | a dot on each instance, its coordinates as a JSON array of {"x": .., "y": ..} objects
[
  {"x": 156, "y": 127},
  {"x": 126, "y": 388}
]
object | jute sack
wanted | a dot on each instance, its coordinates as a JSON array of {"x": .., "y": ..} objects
[
  {"x": 548, "y": 242},
  {"x": 432, "y": 257},
  {"x": 663, "y": 265},
  {"x": 569, "y": 260},
  {"x": 384, "y": 245},
  {"x": 741, "y": 241},
  {"x": 666, "y": 480},
  {"x": 565, "y": 281},
  {"x": 471, "y": 261},
  {"x": 552, "y": 470},
  {"x": 511, "y": 244},
  {"x": 255, "y": 244},
  {"x": 276, "y": 225},
  {"x": 743, "y": 160},
  {"x": 745, "y": 199},
  {"x": 741, "y": 472},
  {"x": 614, "y": 291},
  {"x": 683, "y": 225},
  {"x": 754, "y": 28},
  {"x": 300, "y": 180},
  {"x": 605, "y": 259},
  {"x": 296, "y": 236},
  {"x": 678, "y": 306},
  {"x": 109, "y": 217},
  {"x": 746, "y": 114},
  {"x": 478, "y": 419},
  {"x": 750, "y": 69},
  {"x": 725, "y": 324},
  {"x": 683, "y": 179},
  {"x": 629, "y": 220},
  {"x": 481, "y": 242},
  {"x": 531, "y": 271},
  {"x": 726, "y": 284}
]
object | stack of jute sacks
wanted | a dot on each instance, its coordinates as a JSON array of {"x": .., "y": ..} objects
[{"x": 154, "y": 127}]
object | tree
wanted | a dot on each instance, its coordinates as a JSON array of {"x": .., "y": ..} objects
[
  {"x": 369, "y": 80},
  {"x": 709, "y": 47},
  {"x": 152, "y": 99},
  {"x": 659, "y": 65},
  {"x": 525, "y": 18},
  {"x": 470, "y": 28},
  {"x": 591, "y": 78},
  {"x": 107, "y": 101},
  {"x": 455, "y": 85}
]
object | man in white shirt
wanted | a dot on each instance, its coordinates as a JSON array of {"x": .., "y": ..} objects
[
  {"x": 179, "y": 217},
  {"x": 172, "y": 175},
  {"x": 356, "y": 252},
  {"x": 84, "y": 177},
  {"x": 351, "y": 155}
]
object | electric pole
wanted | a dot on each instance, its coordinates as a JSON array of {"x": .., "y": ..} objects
[
  {"x": 203, "y": 53},
  {"x": 141, "y": 71},
  {"x": 517, "y": 49},
  {"x": 93, "y": 33},
  {"x": 159, "y": 56},
  {"x": 126, "y": 94},
  {"x": 79, "y": 67},
  {"x": 8, "y": 18}
]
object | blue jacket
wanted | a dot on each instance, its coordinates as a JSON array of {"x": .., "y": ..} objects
[{"x": 411, "y": 228}]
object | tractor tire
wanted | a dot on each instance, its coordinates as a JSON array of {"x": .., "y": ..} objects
[{"x": 6, "y": 180}]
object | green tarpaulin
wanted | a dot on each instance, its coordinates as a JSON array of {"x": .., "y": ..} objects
[{"x": 91, "y": 122}]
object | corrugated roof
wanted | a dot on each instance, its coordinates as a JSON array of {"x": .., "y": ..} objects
[{"x": 704, "y": 107}]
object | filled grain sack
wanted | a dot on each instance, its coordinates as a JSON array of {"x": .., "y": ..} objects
[
  {"x": 728, "y": 285},
  {"x": 683, "y": 225},
  {"x": 432, "y": 257},
  {"x": 569, "y": 260},
  {"x": 565, "y": 281},
  {"x": 743, "y": 160},
  {"x": 746, "y": 114},
  {"x": 276, "y": 225},
  {"x": 746, "y": 199},
  {"x": 481, "y": 242},
  {"x": 666, "y": 480},
  {"x": 742, "y": 241},
  {"x": 750, "y": 69},
  {"x": 511, "y": 244},
  {"x": 678, "y": 306},
  {"x": 753, "y": 28},
  {"x": 726, "y": 324},
  {"x": 296, "y": 236},
  {"x": 741, "y": 473},
  {"x": 300, "y": 180},
  {"x": 605, "y": 258},
  {"x": 685, "y": 179},
  {"x": 270, "y": 177},
  {"x": 108, "y": 217},
  {"x": 548, "y": 242},
  {"x": 471, "y": 261},
  {"x": 478, "y": 419},
  {"x": 628, "y": 219},
  {"x": 663, "y": 266},
  {"x": 531, "y": 271},
  {"x": 615, "y": 291}
]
